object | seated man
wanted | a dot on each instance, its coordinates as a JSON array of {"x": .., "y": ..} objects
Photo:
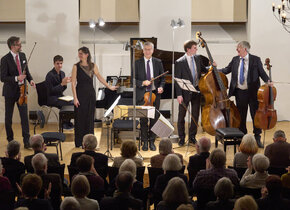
[
  {"x": 56, "y": 82},
  {"x": 38, "y": 146},
  {"x": 165, "y": 148},
  {"x": 122, "y": 198},
  {"x": 101, "y": 161},
  {"x": 279, "y": 151}
]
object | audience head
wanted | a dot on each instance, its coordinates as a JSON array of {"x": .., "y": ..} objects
[
  {"x": 90, "y": 142},
  {"x": 165, "y": 147},
  {"x": 224, "y": 189},
  {"x": 39, "y": 163},
  {"x": 249, "y": 145},
  {"x": 128, "y": 149},
  {"x": 171, "y": 163},
  {"x": 31, "y": 185},
  {"x": 129, "y": 166},
  {"x": 217, "y": 158},
  {"x": 279, "y": 136},
  {"x": 260, "y": 163},
  {"x": 84, "y": 163},
  {"x": 70, "y": 203},
  {"x": 246, "y": 202},
  {"x": 185, "y": 207},
  {"x": 13, "y": 148},
  {"x": 203, "y": 145},
  {"x": 80, "y": 186},
  {"x": 124, "y": 181},
  {"x": 175, "y": 192},
  {"x": 21, "y": 208},
  {"x": 274, "y": 185},
  {"x": 37, "y": 143}
]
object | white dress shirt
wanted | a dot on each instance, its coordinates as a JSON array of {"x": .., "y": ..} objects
[
  {"x": 188, "y": 58},
  {"x": 151, "y": 70},
  {"x": 244, "y": 86}
]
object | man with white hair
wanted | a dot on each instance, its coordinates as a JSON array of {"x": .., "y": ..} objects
[
  {"x": 197, "y": 162},
  {"x": 38, "y": 146},
  {"x": 246, "y": 69}
]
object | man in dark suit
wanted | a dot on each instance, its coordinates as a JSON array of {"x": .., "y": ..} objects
[
  {"x": 14, "y": 72},
  {"x": 56, "y": 83},
  {"x": 246, "y": 69},
  {"x": 188, "y": 67},
  {"x": 147, "y": 68},
  {"x": 38, "y": 146},
  {"x": 101, "y": 161}
]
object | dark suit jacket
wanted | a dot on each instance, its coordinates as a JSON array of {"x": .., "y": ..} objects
[
  {"x": 182, "y": 71},
  {"x": 9, "y": 70},
  {"x": 34, "y": 204},
  {"x": 54, "y": 87},
  {"x": 101, "y": 161},
  {"x": 278, "y": 154},
  {"x": 52, "y": 161},
  {"x": 141, "y": 76},
  {"x": 255, "y": 71},
  {"x": 121, "y": 202}
]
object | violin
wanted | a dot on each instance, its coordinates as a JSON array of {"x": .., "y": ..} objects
[
  {"x": 149, "y": 97},
  {"x": 266, "y": 115},
  {"x": 219, "y": 111}
]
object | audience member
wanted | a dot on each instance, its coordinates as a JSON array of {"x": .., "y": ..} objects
[
  {"x": 39, "y": 164},
  {"x": 38, "y": 146},
  {"x": 248, "y": 147},
  {"x": 174, "y": 195},
  {"x": 273, "y": 199},
  {"x": 165, "y": 148},
  {"x": 6, "y": 201},
  {"x": 197, "y": 162},
  {"x": 13, "y": 167},
  {"x": 5, "y": 185},
  {"x": 70, "y": 203},
  {"x": 101, "y": 161},
  {"x": 80, "y": 188},
  {"x": 128, "y": 151},
  {"x": 224, "y": 191},
  {"x": 279, "y": 151},
  {"x": 122, "y": 199},
  {"x": 185, "y": 207},
  {"x": 30, "y": 188},
  {"x": 285, "y": 178},
  {"x": 260, "y": 163},
  {"x": 171, "y": 166},
  {"x": 85, "y": 164},
  {"x": 246, "y": 202}
]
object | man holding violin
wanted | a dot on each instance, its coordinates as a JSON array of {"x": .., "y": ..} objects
[
  {"x": 14, "y": 72},
  {"x": 246, "y": 71},
  {"x": 148, "y": 68}
]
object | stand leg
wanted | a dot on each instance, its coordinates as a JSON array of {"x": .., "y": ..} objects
[{"x": 108, "y": 153}]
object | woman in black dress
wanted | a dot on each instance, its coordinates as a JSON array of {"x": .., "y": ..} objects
[{"x": 84, "y": 94}]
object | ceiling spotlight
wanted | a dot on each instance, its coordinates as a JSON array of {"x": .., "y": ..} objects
[
  {"x": 101, "y": 22},
  {"x": 92, "y": 23},
  {"x": 180, "y": 23},
  {"x": 173, "y": 24}
]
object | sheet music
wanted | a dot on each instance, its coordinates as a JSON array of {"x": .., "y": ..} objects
[
  {"x": 186, "y": 85},
  {"x": 112, "y": 107},
  {"x": 66, "y": 98},
  {"x": 162, "y": 127}
]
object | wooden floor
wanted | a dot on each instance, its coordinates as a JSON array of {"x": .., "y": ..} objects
[{"x": 101, "y": 134}]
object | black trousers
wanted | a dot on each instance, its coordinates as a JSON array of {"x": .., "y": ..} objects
[
  {"x": 9, "y": 108},
  {"x": 243, "y": 100},
  {"x": 146, "y": 124},
  {"x": 194, "y": 99}
]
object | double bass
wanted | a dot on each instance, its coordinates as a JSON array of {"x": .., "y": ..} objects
[
  {"x": 219, "y": 111},
  {"x": 266, "y": 115}
]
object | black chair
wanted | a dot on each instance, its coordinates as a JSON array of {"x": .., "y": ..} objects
[
  {"x": 240, "y": 171},
  {"x": 256, "y": 193},
  {"x": 7, "y": 200},
  {"x": 66, "y": 113},
  {"x": 277, "y": 171},
  {"x": 228, "y": 136},
  {"x": 113, "y": 172},
  {"x": 72, "y": 171},
  {"x": 153, "y": 174},
  {"x": 204, "y": 195},
  {"x": 50, "y": 138}
]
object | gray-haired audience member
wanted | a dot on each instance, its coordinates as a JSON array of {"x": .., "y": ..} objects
[
  {"x": 246, "y": 202},
  {"x": 260, "y": 163},
  {"x": 80, "y": 189},
  {"x": 279, "y": 151},
  {"x": 174, "y": 194},
  {"x": 165, "y": 148},
  {"x": 224, "y": 191},
  {"x": 70, "y": 203}
]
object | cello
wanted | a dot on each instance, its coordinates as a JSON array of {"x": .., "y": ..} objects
[
  {"x": 266, "y": 115},
  {"x": 219, "y": 111}
]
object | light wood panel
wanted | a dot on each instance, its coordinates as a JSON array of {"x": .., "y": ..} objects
[{"x": 12, "y": 10}]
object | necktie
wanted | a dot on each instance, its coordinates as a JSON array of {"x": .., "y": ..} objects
[
  {"x": 242, "y": 76},
  {"x": 18, "y": 65},
  {"x": 193, "y": 70},
  {"x": 148, "y": 76}
]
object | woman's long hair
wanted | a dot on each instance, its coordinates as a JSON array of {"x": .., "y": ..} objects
[{"x": 89, "y": 58}]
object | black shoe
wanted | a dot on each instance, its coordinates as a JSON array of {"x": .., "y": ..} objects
[
  {"x": 260, "y": 145},
  {"x": 145, "y": 146},
  {"x": 181, "y": 142},
  {"x": 66, "y": 126},
  {"x": 27, "y": 146},
  {"x": 152, "y": 146},
  {"x": 192, "y": 140}
]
